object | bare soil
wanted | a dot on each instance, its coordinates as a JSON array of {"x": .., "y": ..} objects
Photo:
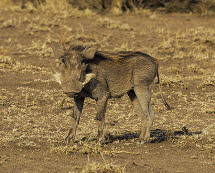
[{"x": 33, "y": 123}]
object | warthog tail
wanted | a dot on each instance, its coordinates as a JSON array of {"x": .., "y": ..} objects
[{"x": 162, "y": 97}]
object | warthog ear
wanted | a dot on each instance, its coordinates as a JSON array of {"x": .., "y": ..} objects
[
  {"x": 58, "y": 49},
  {"x": 88, "y": 77},
  {"x": 89, "y": 52}
]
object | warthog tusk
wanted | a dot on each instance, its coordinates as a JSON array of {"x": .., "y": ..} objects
[
  {"x": 57, "y": 77},
  {"x": 88, "y": 77}
]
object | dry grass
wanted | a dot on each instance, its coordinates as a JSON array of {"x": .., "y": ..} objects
[
  {"x": 30, "y": 102},
  {"x": 113, "y": 24},
  {"x": 102, "y": 168},
  {"x": 7, "y": 63},
  {"x": 51, "y": 6},
  {"x": 206, "y": 7}
]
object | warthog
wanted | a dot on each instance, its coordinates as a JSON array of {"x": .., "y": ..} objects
[{"x": 86, "y": 72}]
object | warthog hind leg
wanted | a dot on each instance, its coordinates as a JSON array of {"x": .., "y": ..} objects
[{"x": 143, "y": 94}]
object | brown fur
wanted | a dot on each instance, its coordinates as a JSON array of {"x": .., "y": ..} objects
[{"x": 104, "y": 75}]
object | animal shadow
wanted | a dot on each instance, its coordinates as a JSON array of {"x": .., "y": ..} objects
[{"x": 157, "y": 135}]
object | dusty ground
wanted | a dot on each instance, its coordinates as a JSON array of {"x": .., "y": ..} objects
[{"x": 34, "y": 123}]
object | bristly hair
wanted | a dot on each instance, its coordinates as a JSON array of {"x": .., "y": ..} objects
[
  {"x": 120, "y": 55},
  {"x": 112, "y": 56}
]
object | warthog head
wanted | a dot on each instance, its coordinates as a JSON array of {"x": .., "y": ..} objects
[{"x": 70, "y": 69}]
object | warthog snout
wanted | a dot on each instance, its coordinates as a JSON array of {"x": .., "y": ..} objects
[{"x": 71, "y": 87}]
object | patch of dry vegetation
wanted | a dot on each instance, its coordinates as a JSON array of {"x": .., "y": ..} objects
[
  {"x": 117, "y": 7},
  {"x": 32, "y": 114},
  {"x": 8, "y": 63},
  {"x": 49, "y": 6},
  {"x": 204, "y": 7},
  {"x": 101, "y": 168},
  {"x": 113, "y": 24}
]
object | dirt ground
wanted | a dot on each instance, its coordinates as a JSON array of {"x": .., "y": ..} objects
[{"x": 34, "y": 121}]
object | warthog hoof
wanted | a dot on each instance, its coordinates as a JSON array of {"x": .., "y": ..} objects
[
  {"x": 101, "y": 141},
  {"x": 98, "y": 118},
  {"x": 69, "y": 139},
  {"x": 143, "y": 141}
]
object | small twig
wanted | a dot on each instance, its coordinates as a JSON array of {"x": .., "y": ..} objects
[
  {"x": 103, "y": 157},
  {"x": 4, "y": 53},
  {"x": 88, "y": 158},
  {"x": 119, "y": 152}
]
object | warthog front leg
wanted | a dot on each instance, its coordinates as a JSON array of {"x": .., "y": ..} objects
[
  {"x": 77, "y": 110},
  {"x": 101, "y": 109},
  {"x": 143, "y": 94}
]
